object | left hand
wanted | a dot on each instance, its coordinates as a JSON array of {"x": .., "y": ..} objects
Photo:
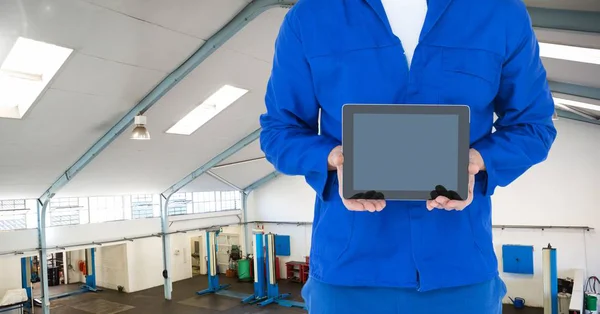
[{"x": 476, "y": 164}]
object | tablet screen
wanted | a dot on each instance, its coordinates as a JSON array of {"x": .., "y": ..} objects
[{"x": 405, "y": 152}]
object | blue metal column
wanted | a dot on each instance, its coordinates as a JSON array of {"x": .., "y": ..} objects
[
  {"x": 213, "y": 276},
  {"x": 26, "y": 275},
  {"x": 549, "y": 270},
  {"x": 260, "y": 288},
  {"x": 166, "y": 245},
  {"x": 90, "y": 277},
  {"x": 43, "y": 253}
]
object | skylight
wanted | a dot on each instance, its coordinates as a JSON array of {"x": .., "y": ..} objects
[
  {"x": 207, "y": 110},
  {"x": 570, "y": 53},
  {"x": 28, "y": 68}
]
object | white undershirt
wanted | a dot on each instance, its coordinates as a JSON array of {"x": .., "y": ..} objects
[{"x": 406, "y": 18}]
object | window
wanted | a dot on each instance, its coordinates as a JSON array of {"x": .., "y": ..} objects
[
  {"x": 65, "y": 211},
  {"x": 107, "y": 208},
  {"x": 231, "y": 200},
  {"x": 142, "y": 206},
  {"x": 64, "y": 217},
  {"x": 178, "y": 204},
  {"x": 204, "y": 202},
  {"x": 13, "y": 215},
  {"x": 12, "y": 204}
]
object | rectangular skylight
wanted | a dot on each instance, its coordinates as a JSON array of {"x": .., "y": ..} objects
[
  {"x": 28, "y": 68},
  {"x": 570, "y": 53},
  {"x": 207, "y": 110}
]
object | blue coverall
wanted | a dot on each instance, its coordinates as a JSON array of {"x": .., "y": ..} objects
[{"x": 480, "y": 53}]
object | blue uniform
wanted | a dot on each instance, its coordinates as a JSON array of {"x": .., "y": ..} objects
[{"x": 480, "y": 53}]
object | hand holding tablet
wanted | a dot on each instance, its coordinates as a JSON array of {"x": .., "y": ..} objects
[
  {"x": 370, "y": 203},
  {"x": 409, "y": 152}
]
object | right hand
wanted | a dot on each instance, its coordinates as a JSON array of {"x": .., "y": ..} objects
[{"x": 335, "y": 161}]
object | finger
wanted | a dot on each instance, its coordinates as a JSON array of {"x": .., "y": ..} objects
[
  {"x": 430, "y": 204},
  {"x": 473, "y": 169},
  {"x": 337, "y": 159},
  {"x": 460, "y": 205},
  {"x": 442, "y": 200},
  {"x": 367, "y": 205},
  {"x": 455, "y": 205},
  {"x": 380, "y": 205},
  {"x": 354, "y": 205}
]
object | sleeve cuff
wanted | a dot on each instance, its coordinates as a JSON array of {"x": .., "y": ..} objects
[
  {"x": 486, "y": 179},
  {"x": 318, "y": 173}
]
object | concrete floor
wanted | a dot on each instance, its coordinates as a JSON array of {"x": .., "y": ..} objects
[{"x": 185, "y": 301}]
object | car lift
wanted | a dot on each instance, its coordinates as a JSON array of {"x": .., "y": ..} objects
[
  {"x": 265, "y": 293},
  {"x": 211, "y": 254},
  {"x": 90, "y": 277},
  {"x": 260, "y": 290},
  {"x": 269, "y": 294}
]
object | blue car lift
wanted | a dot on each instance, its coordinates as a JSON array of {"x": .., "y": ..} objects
[
  {"x": 268, "y": 293},
  {"x": 260, "y": 289},
  {"x": 273, "y": 295},
  {"x": 213, "y": 276}
]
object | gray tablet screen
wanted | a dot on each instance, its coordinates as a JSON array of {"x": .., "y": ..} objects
[{"x": 413, "y": 152}]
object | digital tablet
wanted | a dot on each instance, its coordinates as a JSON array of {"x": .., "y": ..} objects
[{"x": 405, "y": 151}]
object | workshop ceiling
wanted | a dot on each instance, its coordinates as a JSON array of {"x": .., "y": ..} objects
[{"x": 123, "y": 49}]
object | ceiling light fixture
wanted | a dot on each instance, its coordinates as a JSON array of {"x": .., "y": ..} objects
[
  {"x": 25, "y": 73},
  {"x": 207, "y": 110},
  {"x": 570, "y": 53},
  {"x": 140, "y": 132}
]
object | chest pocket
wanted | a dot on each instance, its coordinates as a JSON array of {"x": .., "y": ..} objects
[{"x": 472, "y": 77}]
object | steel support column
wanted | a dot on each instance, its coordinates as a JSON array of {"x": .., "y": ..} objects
[
  {"x": 43, "y": 274},
  {"x": 166, "y": 245},
  {"x": 245, "y": 220},
  {"x": 245, "y": 194}
]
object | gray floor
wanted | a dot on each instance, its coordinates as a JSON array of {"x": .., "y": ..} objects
[{"x": 185, "y": 301}]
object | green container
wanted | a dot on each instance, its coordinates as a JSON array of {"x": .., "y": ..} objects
[
  {"x": 591, "y": 302},
  {"x": 244, "y": 270}
]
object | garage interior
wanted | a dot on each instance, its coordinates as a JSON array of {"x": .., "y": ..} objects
[{"x": 111, "y": 202}]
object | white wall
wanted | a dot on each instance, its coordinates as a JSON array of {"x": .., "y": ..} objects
[
  {"x": 560, "y": 191},
  {"x": 112, "y": 267}
]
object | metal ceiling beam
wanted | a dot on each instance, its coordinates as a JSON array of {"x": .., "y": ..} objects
[
  {"x": 250, "y": 12},
  {"x": 573, "y": 116},
  {"x": 223, "y": 180},
  {"x": 213, "y": 162},
  {"x": 261, "y": 181},
  {"x": 575, "y": 90},
  {"x": 581, "y": 21}
]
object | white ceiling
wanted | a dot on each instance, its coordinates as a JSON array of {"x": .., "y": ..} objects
[{"x": 122, "y": 50}]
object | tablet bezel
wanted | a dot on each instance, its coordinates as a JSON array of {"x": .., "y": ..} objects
[{"x": 463, "y": 113}]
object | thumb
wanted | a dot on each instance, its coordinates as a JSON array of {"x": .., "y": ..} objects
[
  {"x": 474, "y": 169},
  {"x": 337, "y": 159}
]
